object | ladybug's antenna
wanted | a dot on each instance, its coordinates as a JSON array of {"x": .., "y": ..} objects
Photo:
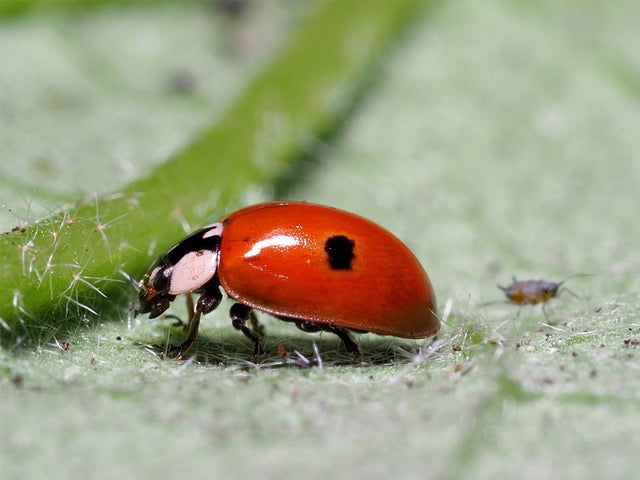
[{"x": 130, "y": 279}]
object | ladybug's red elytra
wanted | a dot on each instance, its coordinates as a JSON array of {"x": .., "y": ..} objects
[{"x": 322, "y": 268}]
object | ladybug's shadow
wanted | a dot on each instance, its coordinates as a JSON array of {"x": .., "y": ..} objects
[{"x": 290, "y": 350}]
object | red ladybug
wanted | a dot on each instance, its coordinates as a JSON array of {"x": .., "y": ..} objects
[{"x": 322, "y": 268}]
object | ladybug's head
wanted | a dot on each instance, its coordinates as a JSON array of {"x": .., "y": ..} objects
[
  {"x": 185, "y": 268},
  {"x": 153, "y": 290}
]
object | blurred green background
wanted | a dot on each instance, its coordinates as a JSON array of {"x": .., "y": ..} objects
[{"x": 494, "y": 138}]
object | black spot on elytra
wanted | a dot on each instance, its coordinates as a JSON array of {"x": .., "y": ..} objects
[{"x": 339, "y": 252}]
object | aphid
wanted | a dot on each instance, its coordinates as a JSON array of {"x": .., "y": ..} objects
[
  {"x": 532, "y": 292},
  {"x": 322, "y": 268}
]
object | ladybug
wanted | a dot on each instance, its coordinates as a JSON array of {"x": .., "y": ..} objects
[{"x": 321, "y": 268}]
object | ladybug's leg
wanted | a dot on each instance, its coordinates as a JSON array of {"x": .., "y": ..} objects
[
  {"x": 207, "y": 302},
  {"x": 349, "y": 344},
  {"x": 192, "y": 333},
  {"x": 177, "y": 321},
  {"x": 256, "y": 326},
  {"x": 239, "y": 315}
]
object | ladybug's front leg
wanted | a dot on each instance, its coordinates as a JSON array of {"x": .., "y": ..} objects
[{"x": 207, "y": 302}]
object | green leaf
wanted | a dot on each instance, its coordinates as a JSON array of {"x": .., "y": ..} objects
[{"x": 500, "y": 139}]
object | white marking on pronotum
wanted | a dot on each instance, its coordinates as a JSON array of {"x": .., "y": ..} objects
[
  {"x": 192, "y": 271},
  {"x": 215, "y": 229}
]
